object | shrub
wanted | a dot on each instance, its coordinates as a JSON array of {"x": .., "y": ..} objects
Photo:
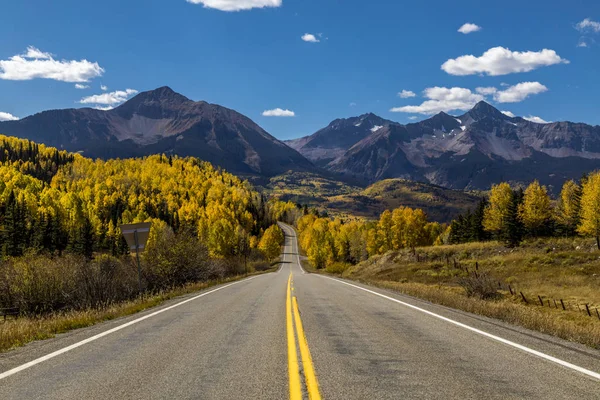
[
  {"x": 337, "y": 267},
  {"x": 174, "y": 260},
  {"x": 480, "y": 285}
]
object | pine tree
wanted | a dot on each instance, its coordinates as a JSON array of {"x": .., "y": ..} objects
[
  {"x": 14, "y": 227},
  {"x": 512, "y": 232}
]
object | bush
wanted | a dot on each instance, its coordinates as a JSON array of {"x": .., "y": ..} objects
[
  {"x": 174, "y": 260},
  {"x": 481, "y": 285},
  {"x": 337, "y": 267},
  {"x": 39, "y": 285}
]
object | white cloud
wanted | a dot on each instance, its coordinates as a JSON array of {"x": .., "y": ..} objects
[
  {"x": 412, "y": 118},
  {"x": 236, "y": 5},
  {"x": 34, "y": 53},
  {"x": 278, "y": 112},
  {"x": 582, "y": 43},
  {"x": 519, "y": 92},
  {"x": 405, "y": 94},
  {"x": 501, "y": 61},
  {"x": 104, "y": 88},
  {"x": 443, "y": 99},
  {"x": 111, "y": 98},
  {"x": 486, "y": 91},
  {"x": 105, "y": 108},
  {"x": 35, "y": 64},
  {"x": 537, "y": 120},
  {"x": 353, "y": 104},
  {"x": 4, "y": 116},
  {"x": 469, "y": 28},
  {"x": 81, "y": 86},
  {"x": 588, "y": 25},
  {"x": 508, "y": 114},
  {"x": 309, "y": 37}
]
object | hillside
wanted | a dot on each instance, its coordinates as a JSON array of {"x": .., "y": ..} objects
[
  {"x": 162, "y": 121},
  {"x": 470, "y": 151},
  {"x": 440, "y": 204},
  {"x": 55, "y": 201}
]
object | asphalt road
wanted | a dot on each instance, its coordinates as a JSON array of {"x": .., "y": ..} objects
[{"x": 239, "y": 342}]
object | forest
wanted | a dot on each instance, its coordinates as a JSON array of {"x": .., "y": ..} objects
[
  {"x": 509, "y": 215},
  {"x": 512, "y": 215},
  {"x": 61, "y": 246}
]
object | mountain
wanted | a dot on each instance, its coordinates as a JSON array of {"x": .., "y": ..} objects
[
  {"x": 470, "y": 151},
  {"x": 334, "y": 140},
  {"x": 162, "y": 121}
]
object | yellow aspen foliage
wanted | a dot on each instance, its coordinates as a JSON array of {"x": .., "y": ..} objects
[
  {"x": 536, "y": 209},
  {"x": 498, "y": 208},
  {"x": 270, "y": 243},
  {"x": 590, "y": 207},
  {"x": 385, "y": 232},
  {"x": 569, "y": 206},
  {"x": 398, "y": 228},
  {"x": 373, "y": 244},
  {"x": 416, "y": 220}
]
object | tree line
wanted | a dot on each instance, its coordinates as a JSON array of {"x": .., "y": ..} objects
[
  {"x": 60, "y": 215},
  {"x": 79, "y": 209},
  {"x": 510, "y": 215},
  {"x": 328, "y": 242}
]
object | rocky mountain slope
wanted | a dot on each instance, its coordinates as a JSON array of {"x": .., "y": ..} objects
[
  {"x": 162, "y": 121},
  {"x": 334, "y": 140},
  {"x": 470, "y": 151}
]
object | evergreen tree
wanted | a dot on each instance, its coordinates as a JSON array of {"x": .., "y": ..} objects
[{"x": 512, "y": 233}]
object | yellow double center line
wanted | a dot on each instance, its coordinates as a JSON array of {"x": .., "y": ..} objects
[{"x": 293, "y": 317}]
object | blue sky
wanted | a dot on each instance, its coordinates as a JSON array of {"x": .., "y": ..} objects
[{"x": 256, "y": 60}]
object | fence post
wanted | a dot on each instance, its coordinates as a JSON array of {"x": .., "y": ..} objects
[
  {"x": 510, "y": 289},
  {"x": 588, "y": 310},
  {"x": 524, "y": 298},
  {"x": 541, "y": 301},
  {"x": 597, "y": 313},
  {"x": 563, "y": 305},
  {"x": 555, "y": 306}
]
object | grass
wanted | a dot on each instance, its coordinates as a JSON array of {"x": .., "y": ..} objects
[
  {"x": 18, "y": 332},
  {"x": 554, "y": 269}
]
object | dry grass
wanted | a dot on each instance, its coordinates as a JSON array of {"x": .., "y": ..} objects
[
  {"x": 572, "y": 326},
  {"x": 567, "y": 269},
  {"x": 18, "y": 332}
]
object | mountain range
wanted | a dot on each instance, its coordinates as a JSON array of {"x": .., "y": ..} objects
[
  {"x": 162, "y": 121},
  {"x": 469, "y": 151}
]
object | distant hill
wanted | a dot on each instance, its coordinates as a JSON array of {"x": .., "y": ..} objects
[
  {"x": 470, "y": 151},
  {"x": 162, "y": 121},
  {"x": 439, "y": 203}
]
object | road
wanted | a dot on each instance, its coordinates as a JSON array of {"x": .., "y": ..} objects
[{"x": 295, "y": 335}]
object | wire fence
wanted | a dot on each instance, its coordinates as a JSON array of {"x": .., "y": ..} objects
[{"x": 527, "y": 298}]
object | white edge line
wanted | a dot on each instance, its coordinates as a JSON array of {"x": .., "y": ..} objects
[
  {"x": 480, "y": 332},
  {"x": 108, "y": 332}
]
